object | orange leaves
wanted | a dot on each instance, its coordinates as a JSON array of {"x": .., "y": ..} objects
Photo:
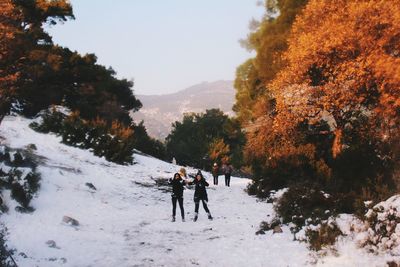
[
  {"x": 118, "y": 129},
  {"x": 346, "y": 50},
  {"x": 218, "y": 150},
  {"x": 342, "y": 65}
]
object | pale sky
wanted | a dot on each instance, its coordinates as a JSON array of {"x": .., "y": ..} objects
[{"x": 163, "y": 45}]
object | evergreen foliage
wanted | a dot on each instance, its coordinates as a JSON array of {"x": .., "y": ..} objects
[
  {"x": 36, "y": 73},
  {"x": 115, "y": 143},
  {"x": 191, "y": 141}
]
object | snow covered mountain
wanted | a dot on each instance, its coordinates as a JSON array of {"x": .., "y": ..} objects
[
  {"x": 160, "y": 111},
  {"x": 125, "y": 221}
]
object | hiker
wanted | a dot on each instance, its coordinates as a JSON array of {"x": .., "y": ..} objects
[
  {"x": 200, "y": 193},
  {"x": 215, "y": 170},
  {"x": 177, "y": 195},
  {"x": 227, "y": 168}
]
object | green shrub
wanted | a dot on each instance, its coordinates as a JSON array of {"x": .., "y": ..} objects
[
  {"x": 51, "y": 121},
  {"x": 114, "y": 142}
]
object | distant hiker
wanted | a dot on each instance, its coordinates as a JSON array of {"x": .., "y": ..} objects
[
  {"x": 200, "y": 193},
  {"x": 227, "y": 168},
  {"x": 177, "y": 195},
  {"x": 215, "y": 172}
]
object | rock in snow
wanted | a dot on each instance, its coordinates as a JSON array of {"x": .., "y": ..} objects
[
  {"x": 51, "y": 244},
  {"x": 70, "y": 221},
  {"x": 91, "y": 186},
  {"x": 277, "y": 230}
]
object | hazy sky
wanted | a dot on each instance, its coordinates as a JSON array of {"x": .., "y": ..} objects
[{"x": 163, "y": 45}]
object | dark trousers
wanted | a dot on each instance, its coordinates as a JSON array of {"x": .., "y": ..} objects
[
  {"x": 227, "y": 179},
  {"x": 180, "y": 201},
  {"x": 216, "y": 180},
  {"x": 197, "y": 205}
]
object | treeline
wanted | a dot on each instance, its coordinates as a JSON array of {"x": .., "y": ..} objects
[
  {"x": 35, "y": 74},
  {"x": 204, "y": 138},
  {"x": 320, "y": 103}
]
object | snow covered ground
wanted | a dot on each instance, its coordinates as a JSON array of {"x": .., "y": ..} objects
[{"x": 127, "y": 220}]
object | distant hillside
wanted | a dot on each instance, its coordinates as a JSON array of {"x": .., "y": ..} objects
[{"x": 160, "y": 111}]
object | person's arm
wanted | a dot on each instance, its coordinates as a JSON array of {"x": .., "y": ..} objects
[{"x": 205, "y": 182}]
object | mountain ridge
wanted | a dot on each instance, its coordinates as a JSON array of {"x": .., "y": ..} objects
[{"x": 160, "y": 111}]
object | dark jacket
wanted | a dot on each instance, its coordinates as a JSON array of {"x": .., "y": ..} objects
[
  {"x": 177, "y": 187},
  {"x": 215, "y": 170},
  {"x": 200, "y": 191},
  {"x": 227, "y": 169}
]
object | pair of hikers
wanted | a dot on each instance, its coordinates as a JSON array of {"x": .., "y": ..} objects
[
  {"x": 226, "y": 170},
  {"x": 200, "y": 194}
]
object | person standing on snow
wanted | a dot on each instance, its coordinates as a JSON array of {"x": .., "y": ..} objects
[
  {"x": 215, "y": 170},
  {"x": 200, "y": 193},
  {"x": 177, "y": 195},
  {"x": 227, "y": 168}
]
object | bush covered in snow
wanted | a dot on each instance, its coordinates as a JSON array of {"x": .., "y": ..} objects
[
  {"x": 304, "y": 204},
  {"x": 380, "y": 230},
  {"x": 18, "y": 174}
]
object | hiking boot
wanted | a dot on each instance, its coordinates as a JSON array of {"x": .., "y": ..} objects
[
  {"x": 183, "y": 219},
  {"x": 195, "y": 217},
  {"x": 173, "y": 219},
  {"x": 210, "y": 217}
]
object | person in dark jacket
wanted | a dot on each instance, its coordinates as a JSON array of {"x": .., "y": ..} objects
[
  {"x": 215, "y": 172},
  {"x": 200, "y": 193},
  {"x": 227, "y": 168},
  {"x": 177, "y": 195}
]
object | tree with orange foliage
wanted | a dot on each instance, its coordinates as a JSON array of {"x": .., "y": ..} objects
[
  {"x": 336, "y": 100},
  {"x": 268, "y": 38},
  {"x": 343, "y": 64},
  {"x": 9, "y": 61},
  {"x": 23, "y": 39},
  {"x": 218, "y": 151}
]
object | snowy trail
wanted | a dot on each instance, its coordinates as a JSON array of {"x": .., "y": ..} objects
[{"x": 126, "y": 222}]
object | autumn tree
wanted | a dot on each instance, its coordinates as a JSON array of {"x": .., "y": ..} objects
[
  {"x": 268, "y": 39},
  {"x": 218, "y": 151},
  {"x": 23, "y": 40},
  {"x": 336, "y": 98},
  {"x": 346, "y": 71}
]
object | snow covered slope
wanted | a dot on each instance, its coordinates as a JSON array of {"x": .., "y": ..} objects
[{"x": 126, "y": 221}]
